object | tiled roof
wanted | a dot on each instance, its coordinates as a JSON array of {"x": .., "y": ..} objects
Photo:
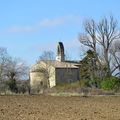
[{"x": 65, "y": 64}]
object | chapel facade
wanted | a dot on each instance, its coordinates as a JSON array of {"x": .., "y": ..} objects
[{"x": 49, "y": 73}]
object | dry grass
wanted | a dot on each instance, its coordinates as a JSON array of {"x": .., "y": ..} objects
[{"x": 59, "y": 108}]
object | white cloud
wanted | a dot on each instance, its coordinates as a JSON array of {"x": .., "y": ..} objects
[
  {"x": 59, "y": 21},
  {"x": 16, "y": 29},
  {"x": 45, "y": 23}
]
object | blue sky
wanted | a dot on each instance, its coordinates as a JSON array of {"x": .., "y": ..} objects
[{"x": 28, "y": 27}]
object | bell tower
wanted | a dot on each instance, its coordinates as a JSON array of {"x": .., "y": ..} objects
[{"x": 60, "y": 52}]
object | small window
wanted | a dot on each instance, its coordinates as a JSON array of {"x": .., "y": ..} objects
[{"x": 41, "y": 83}]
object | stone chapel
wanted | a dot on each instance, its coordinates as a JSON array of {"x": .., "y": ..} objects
[{"x": 49, "y": 73}]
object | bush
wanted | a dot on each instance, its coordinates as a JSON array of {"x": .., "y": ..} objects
[
  {"x": 12, "y": 85},
  {"x": 3, "y": 87},
  {"x": 84, "y": 83},
  {"x": 95, "y": 83},
  {"x": 67, "y": 86},
  {"x": 90, "y": 83},
  {"x": 22, "y": 89},
  {"x": 111, "y": 83}
]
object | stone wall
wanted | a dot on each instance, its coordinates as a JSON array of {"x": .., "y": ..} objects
[
  {"x": 44, "y": 77},
  {"x": 67, "y": 75},
  {"x": 37, "y": 79}
]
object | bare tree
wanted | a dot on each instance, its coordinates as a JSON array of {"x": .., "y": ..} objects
[
  {"x": 107, "y": 34},
  {"x": 47, "y": 59},
  {"x": 115, "y": 52},
  {"x": 11, "y": 70},
  {"x": 101, "y": 36},
  {"x": 3, "y": 63},
  {"x": 16, "y": 69},
  {"x": 89, "y": 38},
  {"x": 47, "y": 55}
]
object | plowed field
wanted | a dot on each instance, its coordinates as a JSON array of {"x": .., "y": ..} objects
[{"x": 59, "y": 108}]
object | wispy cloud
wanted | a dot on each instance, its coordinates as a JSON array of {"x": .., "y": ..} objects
[
  {"x": 45, "y": 23},
  {"x": 16, "y": 29},
  {"x": 59, "y": 21}
]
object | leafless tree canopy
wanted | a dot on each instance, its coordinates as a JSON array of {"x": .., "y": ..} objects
[
  {"x": 3, "y": 62},
  {"x": 17, "y": 69},
  {"x": 11, "y": 71},
  {"x": 89, "y": 37},
  {"x": 47, "y": 55},
  {"x": 102, "y": 35},
  {"x": 115, "y": 52},
  {"x": 11, "y": 67}
]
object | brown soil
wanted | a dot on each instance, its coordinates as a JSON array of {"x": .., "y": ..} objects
[{"x": 59, "y": 108}]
